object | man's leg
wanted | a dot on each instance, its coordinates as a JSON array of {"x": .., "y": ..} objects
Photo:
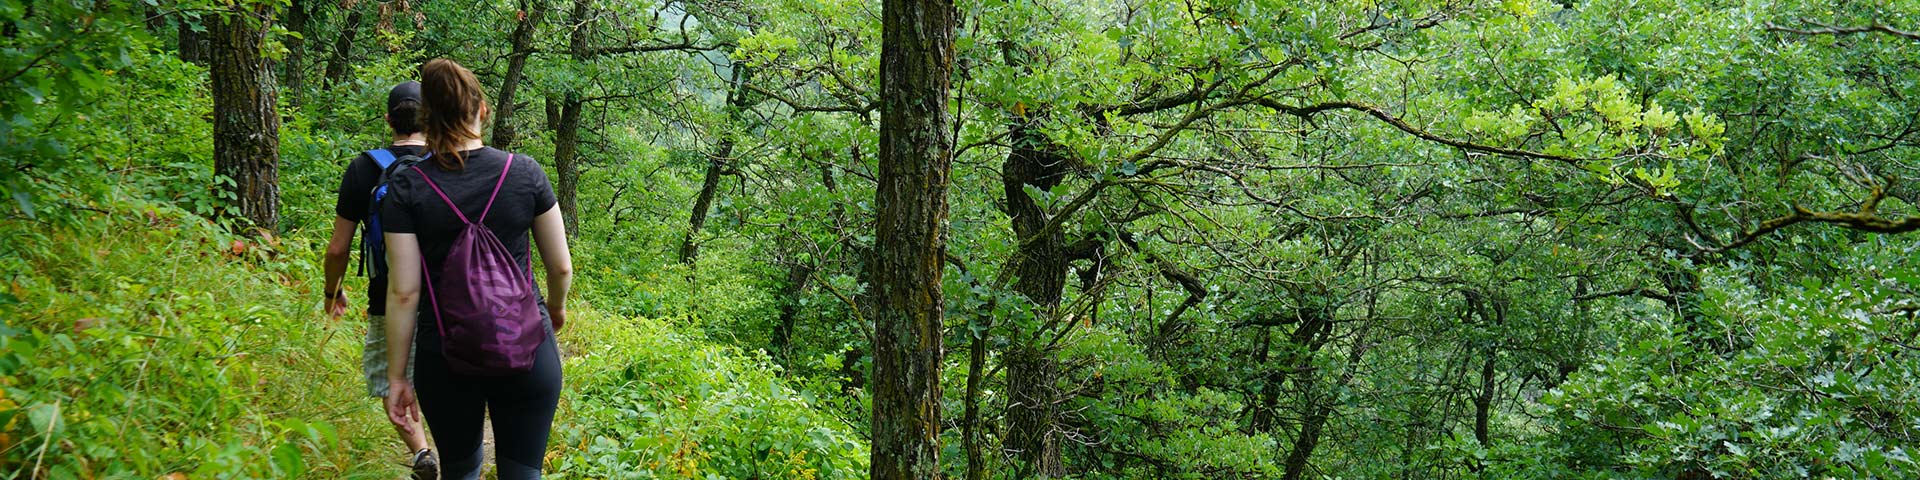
[
  {"x": 417, "y": 440},
  {"x": 373, "y": 363}
]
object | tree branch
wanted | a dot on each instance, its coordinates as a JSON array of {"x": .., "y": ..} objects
[
  {"x": 798, "y": 107},
  {"x": 1384, "y": 116},
  {"x": 1832, "y": 30},
  {"x": 1626, "y": 292},
  {"x": 590, "y": 53},
  {"x": 1864, "y": 220}
]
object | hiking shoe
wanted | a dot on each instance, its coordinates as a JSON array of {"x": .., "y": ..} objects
[{"x": 426, "y": 466}]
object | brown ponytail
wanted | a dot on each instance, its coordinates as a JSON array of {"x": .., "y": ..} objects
[{"x": 452, "y": 105}]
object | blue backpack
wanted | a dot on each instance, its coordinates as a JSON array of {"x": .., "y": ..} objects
[{"x": 373, "y": 246}]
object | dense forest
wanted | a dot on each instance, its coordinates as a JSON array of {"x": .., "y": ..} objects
[{"x": 1006, "y": 238}]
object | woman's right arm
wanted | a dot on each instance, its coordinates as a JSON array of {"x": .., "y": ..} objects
[
  {"x": 403, "y": 306},
  {"x": 550, "y": 234}
]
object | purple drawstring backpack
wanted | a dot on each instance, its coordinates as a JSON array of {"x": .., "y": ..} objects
[{"x": 490, "y": 324}]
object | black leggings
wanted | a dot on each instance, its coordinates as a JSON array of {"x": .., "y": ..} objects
[{"x": 522, "y": 408}]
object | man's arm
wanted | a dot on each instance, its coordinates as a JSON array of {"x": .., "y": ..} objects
[{"x": 339, "y": 252}]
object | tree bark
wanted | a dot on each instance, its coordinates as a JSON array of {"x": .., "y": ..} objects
[
  {"x": 553, "y": 112},
  {"x": 1040, "y": 266},
  {"x": 246, "y": 126},
  {"x": 337, "y": 64},
  {"x": 910, "y": 200},
  {"x": 294, "y": 69},
  {"x": 566, "y": 160},
  {"x": 503, "y": 130},
  {"x": 194, "y": 45},
  {"x": 976, "y": 376}
]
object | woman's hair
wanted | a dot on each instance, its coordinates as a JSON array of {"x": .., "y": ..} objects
[{"x": 451, "y": 102}]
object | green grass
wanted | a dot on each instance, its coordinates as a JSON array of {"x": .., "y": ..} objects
[
  {"x": 142, "y": 342},
  {"x": 146, "y": 343}
]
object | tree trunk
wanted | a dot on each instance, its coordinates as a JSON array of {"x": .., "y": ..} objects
[
  {"x": 976, "y": 376},
  {"x": 1483, "y": 402},
  {"x": 689, "y": 245},
  {"x": 1317, "y": 411},
  {"x": 798, "y": 274},
  {"x": 553, "y": 112},
  {"x": 193, "y": 45},
  {"x": 566, "y": 161},
  {"x": 1033, "y": 436},
  {"x": 156, "y": 21},
  {"x": 503, "y": 131},
  {"x": 343, "y": 49},
  {"x": 1320, "y": 408},
  {"x": 566, "y": 134},
  {"x": 1315, "y": 327},
  {"x": 716, "y": 166},
  {"x": 910, "y": 200},
  {"x": 1040, "y": 265},
  {"x": 1268, "y": 405},
  {"x": 294, "y": 70},
  {"x": 246, "y": 126}
]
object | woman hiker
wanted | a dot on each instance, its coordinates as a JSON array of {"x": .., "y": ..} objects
[{"x": 485, "y": 339}]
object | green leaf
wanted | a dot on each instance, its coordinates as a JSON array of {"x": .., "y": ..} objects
[
  {"x": 21, "y": 198},
  {"x": 287, "y": 460}
]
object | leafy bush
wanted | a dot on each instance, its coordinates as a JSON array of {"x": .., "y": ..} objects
[
  {"x": 645, "y": 400},
  {"x": 1821, "y": 381}
]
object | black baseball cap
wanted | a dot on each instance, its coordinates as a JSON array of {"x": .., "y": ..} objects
[{"x": 403, "y": 92}]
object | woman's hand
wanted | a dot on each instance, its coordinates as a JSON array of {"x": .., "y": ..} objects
[
  {"x": 559, "y": 316},
  {"x": 402, "y": 410}
]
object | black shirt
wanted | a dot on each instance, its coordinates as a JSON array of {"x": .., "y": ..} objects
[
  {"x": 356, "y": 190},
  {"x": 411, "y": 206}
]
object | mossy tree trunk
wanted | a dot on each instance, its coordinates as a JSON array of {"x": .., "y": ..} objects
[
  {"x": 246, "y": 124},
  {"x": 910, "y": 199}
]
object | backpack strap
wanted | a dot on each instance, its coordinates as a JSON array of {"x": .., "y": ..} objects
[
  {"x": 427, "y": 279},
  {"x": 381, "y": 156},
  {"x": 496, "y": 187},
  {"x": 443, "y": 196},
  {"x": 483, "y": 211}
]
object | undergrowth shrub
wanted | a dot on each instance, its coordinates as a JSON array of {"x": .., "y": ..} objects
[
  {"x": 148, "y": 341},
  {"x": 647, "y": 400}
]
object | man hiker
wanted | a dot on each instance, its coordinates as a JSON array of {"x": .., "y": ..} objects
[{"x": 351, "y": 210}]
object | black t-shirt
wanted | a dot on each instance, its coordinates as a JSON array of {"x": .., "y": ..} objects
[
  {"x": 411, "y": 206},
  {"x": 356, "y": 190}
]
